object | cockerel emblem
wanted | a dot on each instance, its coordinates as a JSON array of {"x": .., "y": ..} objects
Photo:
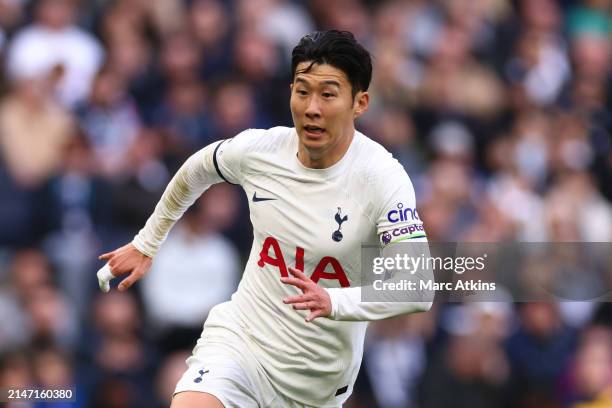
[{"x": 337, "y": 235}]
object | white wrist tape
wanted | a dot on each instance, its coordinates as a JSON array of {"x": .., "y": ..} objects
[{"x": 104, "y": 277}]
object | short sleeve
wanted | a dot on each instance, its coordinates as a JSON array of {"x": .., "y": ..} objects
[
  {"x": 230, "y": 154},
  {"x": 397, "y": 218}
]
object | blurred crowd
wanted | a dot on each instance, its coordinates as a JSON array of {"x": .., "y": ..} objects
[{"x": 500, "y": 111}]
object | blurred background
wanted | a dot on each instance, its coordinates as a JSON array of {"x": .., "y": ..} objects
[{"x": 499, "y": 110}]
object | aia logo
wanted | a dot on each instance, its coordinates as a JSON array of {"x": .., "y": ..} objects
[
  {"x": 337, "y": 235},
  {"x": 327, "y": 268}
]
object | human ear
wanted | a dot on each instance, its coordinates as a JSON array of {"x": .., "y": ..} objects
[{"x": 362, "y": 101}]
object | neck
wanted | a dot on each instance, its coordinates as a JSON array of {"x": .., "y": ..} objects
[{"x": 326, "y": 157}]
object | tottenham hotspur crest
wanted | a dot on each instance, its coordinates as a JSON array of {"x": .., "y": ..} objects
[
  {"x": 198, "y": 379},
  {"x": 337, "y": 235}
]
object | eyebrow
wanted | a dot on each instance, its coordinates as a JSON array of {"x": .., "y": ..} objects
[{"x": 326, "y": 82}]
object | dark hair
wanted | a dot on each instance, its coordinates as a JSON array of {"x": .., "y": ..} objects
[{"x": 338, "y": 49}]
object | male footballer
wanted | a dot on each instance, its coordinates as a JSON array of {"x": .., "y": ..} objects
[{"x": 292, "y": 335}]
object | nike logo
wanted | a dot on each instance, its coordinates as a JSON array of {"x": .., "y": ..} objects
[{"x": 258, "y": 199}]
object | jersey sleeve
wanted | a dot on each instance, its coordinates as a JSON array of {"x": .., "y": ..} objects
[
  {"x": 397, "y": 220},
  {"x": 194, "y": 177},
  {"x": 395, "y": 210},
  {"x": 230, "y": 155},
  {"x": 217, "y": 162}
]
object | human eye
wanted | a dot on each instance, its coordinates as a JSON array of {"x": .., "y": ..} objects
[
  {"x": 302, "y": 92},
  {"x": 328, "y": 94}
]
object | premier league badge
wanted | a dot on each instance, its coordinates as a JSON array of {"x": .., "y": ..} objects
[{"x": 386, "y": 238}]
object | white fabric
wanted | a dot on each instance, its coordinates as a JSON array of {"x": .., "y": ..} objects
[
  {"x": 227, "y": 370},
  {"x": 36, "y": 50},
  {"x": 192, "y": 179},
  {"x": 230, "y": 375},
  {"x": 104, "y": 277},
  {"x": 545, "y": 80},
  {"x": 294, "y": 222}
]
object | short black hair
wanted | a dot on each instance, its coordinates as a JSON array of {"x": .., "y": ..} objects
[{"x": 338, "y": 49}]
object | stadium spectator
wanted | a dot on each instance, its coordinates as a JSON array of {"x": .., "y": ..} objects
[
  {"x": 110, "y": 121},
  {"x": 203, "y": 267},
  {"x": 592, "y": 371},
  {"x": 53, "y": 43},
  {"x": 33, "y": 131},
  {"x": 118, "y": 360}
]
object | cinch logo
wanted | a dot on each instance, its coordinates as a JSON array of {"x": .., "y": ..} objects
[
  {"x": 320, "y": 271},
  {"x": 403, "y": 214}
]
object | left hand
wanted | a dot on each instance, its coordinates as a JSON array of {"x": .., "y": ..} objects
[{"x": 314, "y": 298}]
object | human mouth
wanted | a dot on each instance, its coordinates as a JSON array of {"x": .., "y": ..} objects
[{"x": 313, "y": 131}]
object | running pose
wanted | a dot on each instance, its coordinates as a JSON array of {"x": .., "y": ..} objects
[{"x": 292, "y": 334}]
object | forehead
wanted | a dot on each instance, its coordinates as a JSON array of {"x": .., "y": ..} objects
[{"x": 320, "y": 74}]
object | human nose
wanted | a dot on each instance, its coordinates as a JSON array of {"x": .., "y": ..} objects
[{"x": 313, "y": 109}]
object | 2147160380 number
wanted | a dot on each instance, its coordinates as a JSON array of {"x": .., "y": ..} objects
[{"x": 37, "y": 394}]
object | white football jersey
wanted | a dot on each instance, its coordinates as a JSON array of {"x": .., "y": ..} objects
[{"x": 314, "y": 220}]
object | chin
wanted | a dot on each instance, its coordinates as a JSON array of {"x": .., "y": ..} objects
[{"x": 314, "y": 143}]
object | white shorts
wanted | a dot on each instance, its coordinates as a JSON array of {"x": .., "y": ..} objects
[{"x": 221, "y": 366}]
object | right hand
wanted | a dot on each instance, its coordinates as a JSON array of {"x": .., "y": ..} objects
[{"x": 127, "y": 260}]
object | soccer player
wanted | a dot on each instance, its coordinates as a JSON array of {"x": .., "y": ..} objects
[{"x": 292, "y": 334}]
